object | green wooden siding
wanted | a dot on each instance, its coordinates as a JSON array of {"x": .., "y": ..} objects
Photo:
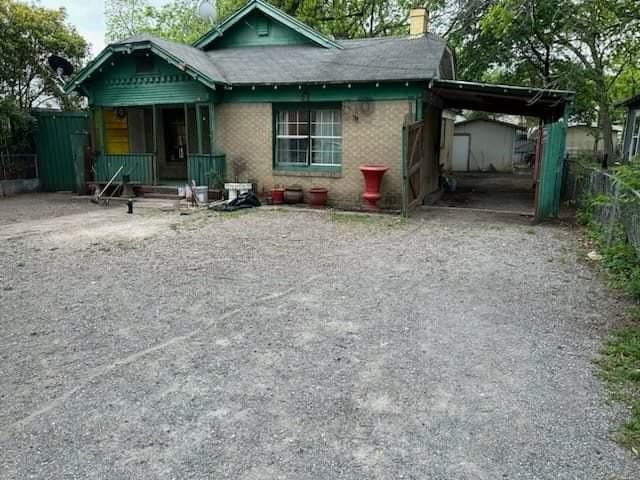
[
  {"x": 201, "y": 165},
  {"x": 550, "y": 183},
  {"x": 257, "y": 30},
  {"x": 119, "y": 85},
  {"x": 55, "y": 149},
  {"x": 139, "y": 167}
]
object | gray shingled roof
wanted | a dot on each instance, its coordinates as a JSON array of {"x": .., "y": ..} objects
[
  {"x": 192, "y": 56},
  {"x": 373, "y": 59}
]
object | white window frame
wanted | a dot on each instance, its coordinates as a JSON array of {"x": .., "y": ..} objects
[{"x": 309, "y": 137}]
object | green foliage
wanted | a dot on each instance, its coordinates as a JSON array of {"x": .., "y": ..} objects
[
  {"x": 16, "y": 128},
  {"x": 29, "y": 34},
  {"x": 620, "y": 368},
  {"x": 215, "y": 179},
  {"x": 590, "y": 46},
  {"x": 176, "y": 20},
  {"x": 629, "y": 174},
  {"x": 619, "y": 256}
]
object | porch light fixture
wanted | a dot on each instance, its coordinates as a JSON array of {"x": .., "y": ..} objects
[
  {"x": 275, "y": 87},
  {"x": 377, "y": 84},
  {"x": 253, "y": 87},
  {"x": 348, "y": 85}
]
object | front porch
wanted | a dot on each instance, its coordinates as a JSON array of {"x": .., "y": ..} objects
[{"x": 157, "y": 145}]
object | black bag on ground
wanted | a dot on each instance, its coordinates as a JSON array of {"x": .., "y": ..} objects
[{"x": 243, "y": 200}]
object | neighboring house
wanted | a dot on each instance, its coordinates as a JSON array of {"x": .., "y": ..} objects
[
  {"x": 580, "y": 140},
  {"x": 266, "y": 99},
  {"x": 484, "y": 145},
  {"x": 631, "y": 134}
]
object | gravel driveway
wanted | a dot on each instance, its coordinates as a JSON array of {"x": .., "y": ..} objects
[{"x": 300, "y": 345}]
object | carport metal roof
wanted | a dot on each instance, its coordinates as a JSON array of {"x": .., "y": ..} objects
[{"x": 535, "y": 102}]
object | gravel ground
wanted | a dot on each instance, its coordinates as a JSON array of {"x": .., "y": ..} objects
[{"x": 295, "y": 345}]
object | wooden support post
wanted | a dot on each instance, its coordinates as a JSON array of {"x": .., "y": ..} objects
[
  {"x": 212, "y": 129},
  {"x": 155, "y": 144},
  {"x": 102, "y": 135},
  {"x": 199, "y": 129}
]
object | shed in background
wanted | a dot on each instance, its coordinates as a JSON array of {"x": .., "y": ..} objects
[{"x": 486, "y": 145}]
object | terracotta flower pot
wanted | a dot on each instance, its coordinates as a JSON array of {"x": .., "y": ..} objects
[
  {"x": 293, "y": 194},
  {"x": 318, "y": 197},
  {"x": 277, "y": 196},
  {"x": 372, "y": 180}
]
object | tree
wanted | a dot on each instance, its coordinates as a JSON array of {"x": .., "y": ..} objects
[
  {"x": 604, "y": 37},
  {"x": 176, "y": 20},
  {"x": 29, "y": 34},
  {"x": 585, "y": 45}
]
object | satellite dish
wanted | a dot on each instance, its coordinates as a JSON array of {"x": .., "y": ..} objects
[
  {"x": 60, "y": 65},
  {"x": 208, "y": 11}
]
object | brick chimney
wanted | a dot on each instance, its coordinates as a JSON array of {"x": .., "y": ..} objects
[{"x": 418, "y": 22}]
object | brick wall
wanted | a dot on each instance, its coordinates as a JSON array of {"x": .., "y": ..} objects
[{"x": 244, "y": 133}]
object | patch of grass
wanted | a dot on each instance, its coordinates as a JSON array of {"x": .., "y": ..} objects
[
  {"x": 381, "y": 220},
  {"x": 530, "y": 231},
  {"x": 620, "y": 368},
  {"x": 620, "y": 258},
  {"x": 619, "y": 364}
]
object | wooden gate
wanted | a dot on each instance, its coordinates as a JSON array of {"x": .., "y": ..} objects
[{"x": 413, "y": 163}]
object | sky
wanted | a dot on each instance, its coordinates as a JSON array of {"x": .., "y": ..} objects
[{"x": 88, "y": 18}]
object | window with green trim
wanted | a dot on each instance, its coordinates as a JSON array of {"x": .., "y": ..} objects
[{"x": 309, "y": 137}]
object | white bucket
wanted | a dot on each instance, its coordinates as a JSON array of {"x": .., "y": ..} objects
[{"x": 202, "y": 194}]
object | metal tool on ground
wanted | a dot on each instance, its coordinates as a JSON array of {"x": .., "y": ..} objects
[{"x": 98, "y": 197}]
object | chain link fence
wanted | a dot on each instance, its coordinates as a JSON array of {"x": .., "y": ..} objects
[{"x": 611, "y": 203}]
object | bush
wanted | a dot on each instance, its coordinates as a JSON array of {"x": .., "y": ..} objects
[
  {"x": 16, "y": 129},
  {"x": 629, "y": 174}
]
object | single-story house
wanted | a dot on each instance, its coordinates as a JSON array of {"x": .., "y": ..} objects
[
  {"x": 631, "y": 133},
  {"x": 483, "y": 145},
  {"x": 580, "y": 139},
  {"x": 264, "y": 98}
]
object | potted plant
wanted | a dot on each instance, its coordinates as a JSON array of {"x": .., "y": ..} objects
[
  {"x": 277, "y": 195},
  {"x": 293, "y": 194},
  {"x": 216, "y": 183},
  {"x": 318, "y": 197},
  {"x": 240, "y": 183}
]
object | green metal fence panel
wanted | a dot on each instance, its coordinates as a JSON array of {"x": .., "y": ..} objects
[
  {"x": 79, "y": 142},
  {"x": 550, "y": 184},
  {"x": 139, "y": 167},
  {"x": 55, "y": 149},
  {"x": 203, "y": 168}
]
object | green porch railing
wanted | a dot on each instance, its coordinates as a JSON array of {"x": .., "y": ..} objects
[
  {"x": 200, "y": 167},
  {"x": 139, "y": 167}
]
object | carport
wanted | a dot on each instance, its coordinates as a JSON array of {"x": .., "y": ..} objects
[{"x": 421, "y": 159}]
